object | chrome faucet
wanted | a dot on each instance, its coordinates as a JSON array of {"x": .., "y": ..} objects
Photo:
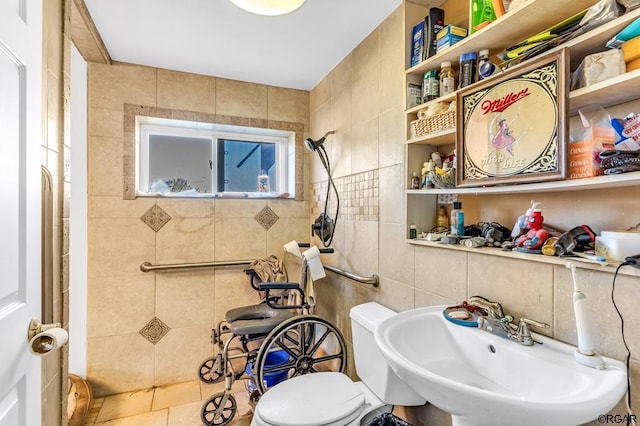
[
  {"x": 503, "y": 327},
  {"x": 498, "y": 323}
]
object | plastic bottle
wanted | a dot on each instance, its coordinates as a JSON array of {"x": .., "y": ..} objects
[
  {"x": 415, "y": 181},
  {"x": 443, "y": 219},
  {"x": 467, "y": 69},
  {"x": 457, "y": 219},
  {"x": 430, "y": 86},
  {"x": 263, "y": 182},
  {"x": 447, "y": 79},
  {"x": 413, "y": 232},
  {"x": 426, "y": 180},
  {"x": 486, "y": 68}
]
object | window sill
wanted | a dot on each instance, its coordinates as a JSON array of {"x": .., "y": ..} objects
[{"x": 223, "y": 195}]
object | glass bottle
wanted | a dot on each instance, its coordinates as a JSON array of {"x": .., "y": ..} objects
[
  {"x": 415, "y": 181},
  {"x": 443, "y": 218},
  {"x": 447, "y": 79},
  {"x": 457, "y": 219}
]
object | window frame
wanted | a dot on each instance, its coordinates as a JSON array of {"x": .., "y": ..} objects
[{"x": 284, "y": 141}]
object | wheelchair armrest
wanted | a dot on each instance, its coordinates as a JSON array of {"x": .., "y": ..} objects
[
  {"x": 266, "y": 287},
  {"x": 253, "y": 277},
  {"x": 279, "y": 286}
]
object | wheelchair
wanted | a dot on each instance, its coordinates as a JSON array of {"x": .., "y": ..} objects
[{"x": 273, "y": 341}]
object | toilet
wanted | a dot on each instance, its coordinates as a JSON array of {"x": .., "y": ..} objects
[{"x": 333, "y": 399}]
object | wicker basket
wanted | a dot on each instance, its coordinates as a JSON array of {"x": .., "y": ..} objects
[
  {"x": 433, "y": 124},
  {"x": 447, "y": 180}
]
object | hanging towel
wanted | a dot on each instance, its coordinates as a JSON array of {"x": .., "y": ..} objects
[{"x": 269, "y": 269}]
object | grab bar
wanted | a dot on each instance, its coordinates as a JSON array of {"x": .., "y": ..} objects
[
  {"x": 148, "y": 267},
  {"x": 372, "y": 280}
]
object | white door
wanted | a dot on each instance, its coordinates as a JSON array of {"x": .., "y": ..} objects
[{"x": 20, "y": 139}]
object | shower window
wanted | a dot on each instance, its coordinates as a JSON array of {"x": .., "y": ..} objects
[{"x": 182, "y": 158}]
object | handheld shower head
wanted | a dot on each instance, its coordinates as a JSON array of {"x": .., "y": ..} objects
[{"x": 312, "y": 145}]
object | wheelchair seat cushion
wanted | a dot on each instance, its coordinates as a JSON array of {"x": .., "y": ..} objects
[{"x": 256, "y": 319}]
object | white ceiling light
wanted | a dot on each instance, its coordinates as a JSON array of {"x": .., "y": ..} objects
[{"x": 268, "y": 7}]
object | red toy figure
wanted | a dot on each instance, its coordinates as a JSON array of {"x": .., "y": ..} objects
[{"x": 536, "y": 236}]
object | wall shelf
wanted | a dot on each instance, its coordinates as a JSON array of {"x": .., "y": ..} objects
[
  {"x": 598, "y": 182},
  {"x": 519, "y": 23},
  {"x": 551, "y": 260}
]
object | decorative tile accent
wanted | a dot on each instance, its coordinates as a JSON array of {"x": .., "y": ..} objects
[
  {"x": 155, "y": 218},
  {"x": 266, "y": 217},
  {"x": 359, "y": 196},
  {"x": 154, "y": 330}
]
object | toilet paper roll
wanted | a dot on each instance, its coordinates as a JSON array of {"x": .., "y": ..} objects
[
  {"x": 313, "y": 261},
  {"x": 45, "y": 343},
  {"x": 292, "y": 247}
]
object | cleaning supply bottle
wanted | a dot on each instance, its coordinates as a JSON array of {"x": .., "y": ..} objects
[
  {"x": 467, "y": 69},
  {"x": 443, "y": 219},
  {"x": 457, "y": 219},
  {"x": 447, "y": 79},
  {"x": 486, "y": 68}
]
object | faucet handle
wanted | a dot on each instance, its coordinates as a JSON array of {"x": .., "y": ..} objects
[{"x": 524, "y": 323}]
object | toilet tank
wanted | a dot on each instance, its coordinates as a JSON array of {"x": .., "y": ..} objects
[{"x": 371, "y": 366}]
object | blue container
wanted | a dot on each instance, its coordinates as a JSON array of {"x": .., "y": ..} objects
[{"x": 274, "y": 359}]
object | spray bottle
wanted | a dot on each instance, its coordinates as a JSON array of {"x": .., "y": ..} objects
[{"x": 522, "y": 221}]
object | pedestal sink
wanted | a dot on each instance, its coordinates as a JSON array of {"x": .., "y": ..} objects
[{"x": 484, "y": 379}]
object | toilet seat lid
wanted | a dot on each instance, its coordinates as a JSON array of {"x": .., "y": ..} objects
[{"x": 311, "y": 399}]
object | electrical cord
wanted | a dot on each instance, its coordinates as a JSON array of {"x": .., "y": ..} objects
[
  {"x": 324, "y": 159},
  {"x": 630, "y": 420}
]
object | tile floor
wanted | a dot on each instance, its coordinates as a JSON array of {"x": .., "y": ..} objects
[{"x": 175, "y": 405}]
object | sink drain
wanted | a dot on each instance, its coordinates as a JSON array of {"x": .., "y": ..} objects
[{"x": 492, "y": 349}]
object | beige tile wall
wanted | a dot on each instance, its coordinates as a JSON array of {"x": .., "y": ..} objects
[
  {"x": 361, "y": 99},
  {"x": 121, "y": 298},
  {"x": 55, "y": 154}
]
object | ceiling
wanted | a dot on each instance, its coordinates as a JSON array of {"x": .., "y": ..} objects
[{"x": 214, "y": 37}]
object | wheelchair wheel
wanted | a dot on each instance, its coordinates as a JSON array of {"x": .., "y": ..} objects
[
  {"x": 213, "y": 414},
  {"x": 299, "y": 345},
  {"x": 210, "y": 372}
]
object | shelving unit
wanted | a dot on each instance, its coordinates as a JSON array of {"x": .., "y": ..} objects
[
  {"x": 529, "y": 18},
  {"x": 550, "y": 260}
]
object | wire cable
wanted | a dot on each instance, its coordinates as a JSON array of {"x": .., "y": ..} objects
[
  {"x": 324, "y": 159},
  {"x": 630, "y": 419}
]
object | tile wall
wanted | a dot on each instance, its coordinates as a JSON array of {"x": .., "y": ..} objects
[
  {"x": 362, "y": 100},
  {"x": 147, "y": 329},
  {"x": 55, "y": 154}
]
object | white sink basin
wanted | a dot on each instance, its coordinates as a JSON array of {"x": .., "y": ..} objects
[{"x": 484, "y": 379}]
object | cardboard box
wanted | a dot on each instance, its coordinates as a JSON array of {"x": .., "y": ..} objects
[
  {"x": 447, "y": 41},
  {"x": 417, "y": 44},
  {"x": 414, "y": 94},
  {"x": 450, "y": 30},
  {"x": 584, "y": 160}
]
